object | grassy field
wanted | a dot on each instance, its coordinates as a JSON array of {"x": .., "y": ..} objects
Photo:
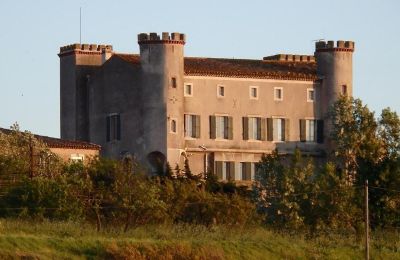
[{"x": 68, "y": 240}]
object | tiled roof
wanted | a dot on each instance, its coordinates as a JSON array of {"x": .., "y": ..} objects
[
  {"x": 131, "y": 58},
  {"x": 52, "y": 142},
  {"x": 242, "y": 68}
]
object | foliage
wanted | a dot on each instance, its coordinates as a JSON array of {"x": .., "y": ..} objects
[
  {"x": 22, "y": 154},
  {"x": 301, "y": 195},
  {"x": 43, "y": 198},
  {"x": 354, "y": 135}
]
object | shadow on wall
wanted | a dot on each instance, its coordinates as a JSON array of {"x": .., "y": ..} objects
[{"x": 310, "y": 148}]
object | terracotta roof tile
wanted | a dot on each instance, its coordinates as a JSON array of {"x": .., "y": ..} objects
[
  {"x": 242, "y": 68},
  {"x": 268, "y": 69},
  {"x": 52, "y": 142},
  {"x": 131, "y": 58}
]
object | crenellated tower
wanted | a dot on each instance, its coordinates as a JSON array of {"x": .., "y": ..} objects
[
  {"x": 335, "y": 72},
  {"x": 77, "y": 63},
  {"x": 162, "y": 71}
]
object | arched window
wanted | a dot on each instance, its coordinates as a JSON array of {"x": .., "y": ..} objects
[{"x": 173, "y": 126}]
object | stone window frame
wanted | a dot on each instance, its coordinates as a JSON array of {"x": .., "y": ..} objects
[
  {"x": 219, "y": 86},
  {"x": 308, "y": 95},
  {"x": 251, "y": 94},
  {"x": 275, "y": 94},
  {"x": 191, "y": 89}
]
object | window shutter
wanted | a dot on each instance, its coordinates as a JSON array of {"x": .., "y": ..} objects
[
  {"x": 230, "y": 128},
  {"x": 212, "y": 127},
  {"x": 287, "y": 129},
  {"x": 320, "y": 131},
  {"x": 263, "y": 129},
  {"x": 193, "y": 121},
  {"x": 226, "y": 127},
  {"x": 218, "y": 170},
  {"x": 302, "y": 130},
  {"x": 283, "y": 127},
  {"x": 259, "y": 128},
  {"x": 248, "y": 171},
  {"x": 231, "y": 171},
  {"x": 270, "y": 133},
  {"x": 118, "y": 118},
  {"x": 108, "y": 124},
  {"x": 197, "y": 132},
  {"x": 245, "y": 128}
]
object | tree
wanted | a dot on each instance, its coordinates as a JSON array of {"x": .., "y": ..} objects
[{"x": 354, "y": 136}]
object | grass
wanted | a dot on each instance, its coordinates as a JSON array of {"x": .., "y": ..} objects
[{"x": 69, "y": 240}]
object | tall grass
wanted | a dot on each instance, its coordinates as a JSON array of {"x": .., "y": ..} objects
[{"x": 66, "y": 240}]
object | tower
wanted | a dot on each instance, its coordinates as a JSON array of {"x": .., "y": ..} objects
[
  {"x": 77, "y": 63},
  {"x": 162, "y": 61},
  {"x": 335, "y": 70}
]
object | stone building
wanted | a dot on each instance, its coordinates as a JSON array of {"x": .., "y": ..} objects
[
  {"x": 220, "y": 114},
  {"x": 67, "y": 150}
]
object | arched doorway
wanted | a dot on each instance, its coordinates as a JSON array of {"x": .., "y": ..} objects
[{"x": 157, "y": 162}]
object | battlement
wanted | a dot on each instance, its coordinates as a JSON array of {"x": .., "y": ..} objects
[
  {"x": 86, "y": 48},
  {"x": 165, "y": 37},
  {"x": 321, "y": 46},
  {"x": 290, "y": 57}
]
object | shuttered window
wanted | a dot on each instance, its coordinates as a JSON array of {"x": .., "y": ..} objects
[
  {"x": 192, "y": 126},
  {"x": 221, "y": 127},
  {"x": 311, "y": 130},
  {"x": 278, "y": 129},
  {"x": 225, "y": 170},
  {"x": 113, "y": 127},
  {"x": 253, "y": 128}
]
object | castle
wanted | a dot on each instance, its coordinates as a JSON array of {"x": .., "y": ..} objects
[{"x": 220, "y": 114}]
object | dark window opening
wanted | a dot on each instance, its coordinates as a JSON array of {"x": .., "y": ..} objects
[
  {"x": 173, "y": 82},
  {"x": 113, "y": 125},
  {"x": 344, "y": 90}
]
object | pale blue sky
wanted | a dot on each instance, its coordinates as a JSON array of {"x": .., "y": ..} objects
[{"x": 31, "y": 33}]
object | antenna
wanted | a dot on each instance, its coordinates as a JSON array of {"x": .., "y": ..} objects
[{"x": 80, "y": 25}]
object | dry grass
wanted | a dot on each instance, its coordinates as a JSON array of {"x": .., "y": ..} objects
[{"x": 67, "y": 240}]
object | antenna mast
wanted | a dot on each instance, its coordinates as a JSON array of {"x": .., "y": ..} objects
[{"x": 80, "y": 25}]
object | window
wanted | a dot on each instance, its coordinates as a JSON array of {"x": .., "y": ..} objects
[
  {"x": 113, "y": 125},
  {"x": 173, "y": 82},
  {"x": 173, "y": 126},
  {"x": 253, "y": 92},
  {"x": 192, "y": 126},
  {"x": 77, "y": 158},
  {"x": 344, "y": 90},
  {"x": 253, "y": 128},
  {"x": 247, "y": 170},
  {"x": 310, "y": 95},
  {"x": 311, "y": 130},
  {"x": 225, "y": 170},
  {"x": 221, "y": 127},
  {"x": 278, "y": 129},
  {"x": 278, "y": 94},
  {"x": 220, "y": 91},
  {"x": 188, "y": 90}
]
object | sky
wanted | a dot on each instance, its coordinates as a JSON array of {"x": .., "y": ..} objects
[{"x": 31, "y": 33}]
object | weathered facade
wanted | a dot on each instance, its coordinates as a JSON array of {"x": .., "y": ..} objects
[
  {"x": 221, "y": 114},
  {"x": 67, "y": 150}
]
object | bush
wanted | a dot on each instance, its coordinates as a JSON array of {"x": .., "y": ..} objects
[{"x": 42, "y": 198}]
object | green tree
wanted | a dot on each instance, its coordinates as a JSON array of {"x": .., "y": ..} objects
[{"x": 354, "y": 136}]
